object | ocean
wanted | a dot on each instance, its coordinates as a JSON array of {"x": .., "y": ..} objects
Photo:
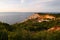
[{"x": 14, "y": 17}]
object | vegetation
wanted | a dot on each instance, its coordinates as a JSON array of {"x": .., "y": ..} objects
[{"x": 30, "y": 30}]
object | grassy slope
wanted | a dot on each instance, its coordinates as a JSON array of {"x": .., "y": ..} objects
[{"x": 30, "y": 30}]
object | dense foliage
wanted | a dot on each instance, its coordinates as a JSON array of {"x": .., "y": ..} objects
[{"x": 30, "y": 30}]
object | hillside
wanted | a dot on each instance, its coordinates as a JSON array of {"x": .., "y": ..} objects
[
  {"x": 39, "y": 17},
  {"x": 36, "y": 27}
]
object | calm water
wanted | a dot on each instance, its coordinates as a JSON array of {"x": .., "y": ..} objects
[{"x": 13, "y": 17}]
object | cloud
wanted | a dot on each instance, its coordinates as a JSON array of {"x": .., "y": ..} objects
[
  {"x": 54, "y": 3},
  {"x": 30, "y": 5},
  {"x": 8, "y": 5},
  {"x": 44, "y": 6},
  {"x": 22, "y": 1}
]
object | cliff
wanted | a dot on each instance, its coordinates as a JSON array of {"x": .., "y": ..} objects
[{"x": 40, "y": 18}]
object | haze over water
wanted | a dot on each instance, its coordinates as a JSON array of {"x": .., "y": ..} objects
[{"x": 14, "y": 17}]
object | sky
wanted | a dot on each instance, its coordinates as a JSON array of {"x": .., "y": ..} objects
[{"x": 29, "y": 5}]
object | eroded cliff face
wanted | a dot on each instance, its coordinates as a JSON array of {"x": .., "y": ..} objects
[
  {"x": 55, "y": 28},
  {"x": 41, "y": 18}
]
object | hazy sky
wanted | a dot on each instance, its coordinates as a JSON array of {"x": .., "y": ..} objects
[{"x": 29, "y": 5}]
